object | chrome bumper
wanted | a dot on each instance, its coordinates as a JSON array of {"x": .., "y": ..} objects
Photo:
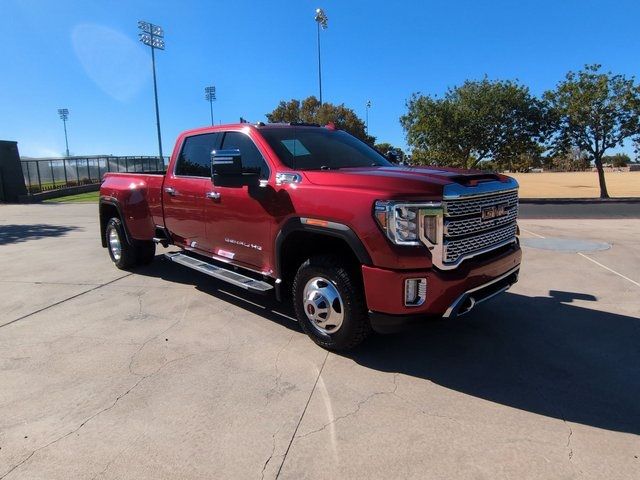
[{"x": 469, "y": 299}]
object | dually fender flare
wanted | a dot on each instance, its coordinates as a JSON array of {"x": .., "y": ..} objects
[{"x": 112, "y": 202}]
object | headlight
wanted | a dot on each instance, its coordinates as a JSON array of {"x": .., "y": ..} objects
[{"x": 402, "y": 221}]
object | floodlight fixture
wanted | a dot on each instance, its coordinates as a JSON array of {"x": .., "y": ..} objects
[
  {"x": 210, "y": 96},
  {"x": 153, "y": 36}
]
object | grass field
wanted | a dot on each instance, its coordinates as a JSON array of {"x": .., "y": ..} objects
[
  {"x": 576, "y": 184},
  {"x": 532, "y": 185},
  {"x": 79, "y": 198}
]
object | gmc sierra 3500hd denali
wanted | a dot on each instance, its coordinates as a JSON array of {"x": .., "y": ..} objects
[{"x": 312, "y": 213}]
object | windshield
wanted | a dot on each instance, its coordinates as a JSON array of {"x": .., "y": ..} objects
[{"x": 320, "y": 148}]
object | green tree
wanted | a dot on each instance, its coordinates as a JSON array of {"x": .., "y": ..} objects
[
  {"x": 618, "y": 160},
  {"x": 474, "y": 122},
  {"x": 571, "y": 160},
  {"x": 310, "y": 110},
  {"x": 594, "y": 111},
  {"x": 386, "y": 149}
]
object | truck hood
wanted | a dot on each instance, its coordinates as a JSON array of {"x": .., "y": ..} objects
[{"x": 401, "y": 180}]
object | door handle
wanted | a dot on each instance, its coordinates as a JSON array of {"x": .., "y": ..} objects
[
  {"x": 170, "y": 190},
  {"x": 213, "y": 195}
]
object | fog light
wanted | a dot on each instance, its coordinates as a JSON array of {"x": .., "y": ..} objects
[{"x": 415, "y": 291}]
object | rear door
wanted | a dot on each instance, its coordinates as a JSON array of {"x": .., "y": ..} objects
[
  {"x": 239, "y": 220},
  {"x": 185, "y": 188}
]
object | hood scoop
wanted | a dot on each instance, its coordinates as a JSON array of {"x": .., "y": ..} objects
[{"x": 473, "y": 179}]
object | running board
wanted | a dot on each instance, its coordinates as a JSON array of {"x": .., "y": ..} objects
[{"x": 220, "y": 273}]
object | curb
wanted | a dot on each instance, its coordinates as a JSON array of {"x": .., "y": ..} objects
[{"x": 586, "y": 201}]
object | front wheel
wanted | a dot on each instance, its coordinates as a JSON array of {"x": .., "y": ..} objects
[{"x": 329, "y": 303}]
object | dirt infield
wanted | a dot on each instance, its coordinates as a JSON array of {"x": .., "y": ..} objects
[{"x": 576, "y": 184}]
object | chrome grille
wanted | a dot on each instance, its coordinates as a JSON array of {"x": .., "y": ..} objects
[
  {"x": 465, "y": 226},
  {"x": 466, "y": 234},
  {"x": 474, "y": 205},
  {"x": 454, "y": 249}
]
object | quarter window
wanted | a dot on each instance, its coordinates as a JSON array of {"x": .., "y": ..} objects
[
  {"x": 252, "y": 159},
  {"x": 195, "y": 157}
]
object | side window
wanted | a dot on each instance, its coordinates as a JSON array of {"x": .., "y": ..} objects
[
  {"x": 195, "y": 157},
  {"x": 251, "y": 157}
]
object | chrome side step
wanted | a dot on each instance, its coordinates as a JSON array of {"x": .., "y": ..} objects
[{"x": 220, "y": 273}]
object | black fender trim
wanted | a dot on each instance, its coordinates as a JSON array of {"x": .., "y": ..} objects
[
  {"x": 333, "y": 229},
  {"x": 112, "y": 202}
]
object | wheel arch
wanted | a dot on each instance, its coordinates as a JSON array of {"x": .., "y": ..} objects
[
  {"x": 298, "y": 239},
  {"x": 109, "y": 209}
]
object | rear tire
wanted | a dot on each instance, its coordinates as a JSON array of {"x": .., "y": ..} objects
[
  {"x": 122, "y": 254},
  {"x": 329, "y": 303}
]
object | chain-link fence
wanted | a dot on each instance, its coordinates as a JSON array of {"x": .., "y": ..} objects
[{"x": 44, "y": 174}]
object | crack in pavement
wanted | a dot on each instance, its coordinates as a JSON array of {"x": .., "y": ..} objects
[
  {"x": 65, "y": 300},
  {"x": 356, "y": 410},
  {"x": 569, "y": 439},
  {"x": 315, "y": 384},
  {"x": 119, "y": 454},
  {"x": 273, "y": 450},
  {"x": 278, "y": 375},
  {"x": 100, "y": 412},
  {"x": 144, "y": 344}
]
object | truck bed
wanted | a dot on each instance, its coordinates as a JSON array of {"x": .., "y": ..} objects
[{"x": 138, "y": 196}]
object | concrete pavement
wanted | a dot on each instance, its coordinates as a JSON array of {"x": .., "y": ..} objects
[{"x": 165, "y": 373}]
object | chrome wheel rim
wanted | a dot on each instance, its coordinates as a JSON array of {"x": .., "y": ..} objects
[
  {"x": 323, "y": 305},
  {"x": 114, "y": 244}
]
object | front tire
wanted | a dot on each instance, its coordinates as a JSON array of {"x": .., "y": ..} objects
[{"x": 329, "y": 303}]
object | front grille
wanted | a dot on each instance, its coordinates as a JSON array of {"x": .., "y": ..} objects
[
  {"x": 474, "y": 205},
  {"x": 464, "y": 226},
  {"x": 467, "y": 234},
  {"x": 454, "y": 249}
]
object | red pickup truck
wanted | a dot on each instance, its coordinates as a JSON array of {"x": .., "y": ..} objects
[{"x": 314, "y": 214}]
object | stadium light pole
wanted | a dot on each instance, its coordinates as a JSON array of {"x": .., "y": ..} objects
[
  {"x": 153, "y": 36},
  {"x": 64, "y": 116},
  {"x": 210, "y": 96},
  {"x": 368, "y": 105},
  {"x": 322, "y": 21}
]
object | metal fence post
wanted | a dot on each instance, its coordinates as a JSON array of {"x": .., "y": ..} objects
[
  {"x": 38, "y": 172},
  {"x": 88, "y": 171},
  {"x": 77, "y": 173},
  {"x": 29, "y": 176},
  {"x": 64, "y": 166},
  {"x": 53, "y": 176}
]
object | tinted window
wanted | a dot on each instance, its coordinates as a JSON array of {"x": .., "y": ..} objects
[
  {"x": 195, "y": 157},
  {"x": 252, "y": 159},
  {"x": 307, "y": 148}
]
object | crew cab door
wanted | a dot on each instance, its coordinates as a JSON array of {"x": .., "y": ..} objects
[
  {"x": 184, "y": 190},
  {"x": 239, "y": 220}
]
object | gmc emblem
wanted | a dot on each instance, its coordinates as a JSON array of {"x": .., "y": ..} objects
[{"x": 494, "y": 211}]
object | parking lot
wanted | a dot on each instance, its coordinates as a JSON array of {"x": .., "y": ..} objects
[{"x": 166, "y": 373}]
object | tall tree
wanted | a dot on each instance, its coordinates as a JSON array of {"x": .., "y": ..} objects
[
  {"x": 594, "y": 111},
  {"x": 479, "y": 120},
  {"x": 310, "y": 110},
  {"x": 392, "y": 153}
]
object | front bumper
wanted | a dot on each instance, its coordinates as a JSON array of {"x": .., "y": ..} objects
[{"x": 449, "y": 293}]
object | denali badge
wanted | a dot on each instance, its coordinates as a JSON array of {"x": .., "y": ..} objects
[{"x": 494, "y": 211}]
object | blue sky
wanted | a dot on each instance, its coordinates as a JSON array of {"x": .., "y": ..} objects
[{"x": 84, "y": 55}]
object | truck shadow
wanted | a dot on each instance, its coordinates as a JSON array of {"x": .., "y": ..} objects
[
  {"x": 265, "y": 306},
  {"x": 24, "y": 233},
  {"x": 544, "y": 355},
  {"x": 538, "y": 354}
]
